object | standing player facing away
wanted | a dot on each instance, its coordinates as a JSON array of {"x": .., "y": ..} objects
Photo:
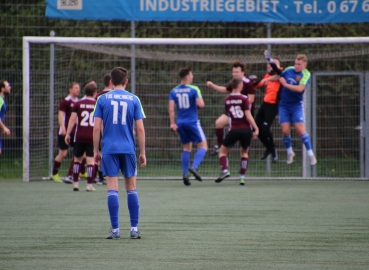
[
  {"x": 65, "y": 110},
  {"x": 237, "y": 108},
  {"x": 238, "y": 72},
  {"x": 117, "y": 111},
  {"x": 83, "y": 142},
  {"x": 187, "y": 98},
  {"x": 4, "y": 91},
  {"x": 294, "y": 80},
  {"x": 268, "y": 110}
]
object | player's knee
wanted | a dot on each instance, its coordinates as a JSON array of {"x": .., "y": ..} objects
[
  {"x": 203, "y": 145},
  {"x": 219, "y": 123},
  {"x": 62, "y": 154}
]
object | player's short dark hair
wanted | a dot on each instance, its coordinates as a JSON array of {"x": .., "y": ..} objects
[
  {"x": 235, "y": 83},
  {"x": 184, "y": 72},
  {"x": 119, "y": 75},
  {"x": 107, "y": 79},
  {"x": 90, "y": 88},
  {"x": 2, "y": 85},
  {"x": 236, "y": 64},
  {"x": 72, "y": 84}
]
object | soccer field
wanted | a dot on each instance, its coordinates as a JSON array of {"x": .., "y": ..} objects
[{"x": 263, "y": 225}]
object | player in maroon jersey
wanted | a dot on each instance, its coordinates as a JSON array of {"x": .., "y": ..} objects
[
  {"x": 108, "y": 87},
  {"x": 83, "y": 115},
  {"x": 237, "y": 107},
  {"x": 65, "y": 110},
  {"x": 238, "y": 72}
]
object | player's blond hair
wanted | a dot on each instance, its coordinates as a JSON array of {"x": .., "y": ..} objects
[{"x": 302, "y": 57}]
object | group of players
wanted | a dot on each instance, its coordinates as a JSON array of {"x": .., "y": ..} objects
[
  {"x": 114, "y": 113},
  {"x": 105, "y": 118},
  {"x": 75, "y": 117},
  {"x": 283, "y": 96}
]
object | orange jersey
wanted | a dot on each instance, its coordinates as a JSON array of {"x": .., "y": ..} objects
[{"x": 271, "y": 90}]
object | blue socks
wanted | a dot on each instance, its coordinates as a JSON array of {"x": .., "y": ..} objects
[
  {"x": 287, "y": 141},
  {"x": 113, "y": 206},
  {"x": 185, "y": 161},
  {"x": 306, "y": 141},
  {"x": 199, "y": 156},
  {"x": 133, "y": 207}
]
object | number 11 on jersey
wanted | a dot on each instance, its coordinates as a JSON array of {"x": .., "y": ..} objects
[{"x": 124, "y": 106}]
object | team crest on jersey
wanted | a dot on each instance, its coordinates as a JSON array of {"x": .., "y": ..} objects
[{"x": 298, "y": 78}]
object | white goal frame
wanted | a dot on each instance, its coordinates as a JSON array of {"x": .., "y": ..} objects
[{"x": 27, "y": 40}]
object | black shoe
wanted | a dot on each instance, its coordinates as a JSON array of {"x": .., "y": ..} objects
[
  {"x": 222, "y": 176},
  {"x": 215, "y": 150},
  {"x": 274, "y": 155},
  {"x": 186, "y": 181},
  {"x": 195, "y": 173},
  {"x": 265, "y": 155}
]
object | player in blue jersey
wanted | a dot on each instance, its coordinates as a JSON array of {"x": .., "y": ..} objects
[
  {"x": 187, "y": 98},
  {"x": 115, "y": 114},
  {"x": 4, "y": 91},
  {"x": 294, "y": 80}
]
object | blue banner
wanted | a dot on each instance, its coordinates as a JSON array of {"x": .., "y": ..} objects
[{"x": 273, "y": 11}]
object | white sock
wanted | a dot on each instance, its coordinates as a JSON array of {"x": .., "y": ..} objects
[
  {"x": 115, "y": 230},
  {"x": 134, "y": 229},
  {"x": 224, "y": 171},
  {"x": 289, "y": 150},
  {"x": 310, "y": 153}
]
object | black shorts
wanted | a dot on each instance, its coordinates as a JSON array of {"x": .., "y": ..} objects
[
  {"x": 61, "y": 142},
  {"x": 238, "y": 135},
  {"x": 80, "y": 148}
]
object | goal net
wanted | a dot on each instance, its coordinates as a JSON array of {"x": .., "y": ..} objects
[{"x": 334, "y": 101}]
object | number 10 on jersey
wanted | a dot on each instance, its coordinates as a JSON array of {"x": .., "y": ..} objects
[
  {"x": 124, "y": 106},
  {"x": 183, "y": 101}
]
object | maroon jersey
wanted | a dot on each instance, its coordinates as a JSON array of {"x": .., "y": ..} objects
[
  {"x": 248, "y": 89},
  {"x": 66, "y": 106},
  {"x": 235, "y": 106},
  {"x": 85, "y": 126},
  {"x": 102, "y": 92}
]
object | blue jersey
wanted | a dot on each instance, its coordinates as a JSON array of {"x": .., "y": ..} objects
[
  {"x": 288, "y": 97},
  {"x": 2, "y": 109},
  {"x": 119, "y": 110},
  {"x": 185, "y": 95}
]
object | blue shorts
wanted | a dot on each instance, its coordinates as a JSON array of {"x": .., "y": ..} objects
[
  {"x": 191, "y": 132},
  {"x": 112, "y": 163},
  {"x": 291, "y": 114},
  {"x": 1, "y": 144}
]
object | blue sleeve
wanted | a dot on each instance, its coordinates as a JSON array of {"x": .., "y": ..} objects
[
  {"x": 98, "y": 108},
  {"x": 172, "y": 96},
  {"x": 139, "y": 112}
]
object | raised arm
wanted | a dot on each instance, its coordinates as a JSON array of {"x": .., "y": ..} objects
[
  {"x": 218, "y": 88},
  {"x": 141, "y": 141}
]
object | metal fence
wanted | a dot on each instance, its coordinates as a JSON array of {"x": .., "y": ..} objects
[
  {"x": 333, "y": 112},
  {"x": 337, "y": 106}
]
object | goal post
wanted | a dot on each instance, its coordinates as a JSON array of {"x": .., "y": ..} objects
[{"x": 203, "y": 54}]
